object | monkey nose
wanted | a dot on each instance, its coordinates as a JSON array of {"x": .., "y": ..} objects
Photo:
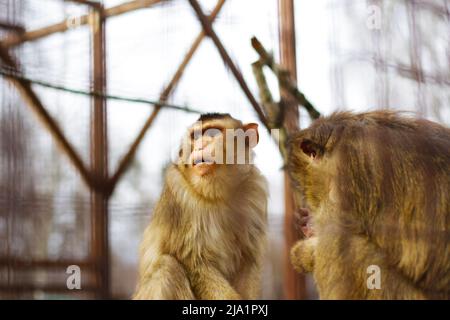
[{"x": 198, "y": 160}]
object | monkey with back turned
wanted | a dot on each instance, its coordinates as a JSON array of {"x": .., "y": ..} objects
[
  {"x": 206, "y": 237},
  {"x": 377, "y": 187}
]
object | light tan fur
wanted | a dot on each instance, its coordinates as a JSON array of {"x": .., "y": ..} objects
[
  {"x": 378, "y": 187},
  {"x": 206, "y": 238}
]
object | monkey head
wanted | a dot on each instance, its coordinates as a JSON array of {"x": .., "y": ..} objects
[
  {"x": 310, "y": 151},
  {"x": 217, "y": 152}
]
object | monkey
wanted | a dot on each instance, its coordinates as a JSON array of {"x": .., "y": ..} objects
[
  {"x": 207, "y": 235},
  {"x": 377, "y": 193}
]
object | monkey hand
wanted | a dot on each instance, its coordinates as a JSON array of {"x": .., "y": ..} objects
[
  {"x": 304, "y": 222},
  {"x": 302, "y": 255}
]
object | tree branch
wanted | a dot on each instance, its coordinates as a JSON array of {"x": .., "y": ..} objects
[{"x": 284, "y": 79}]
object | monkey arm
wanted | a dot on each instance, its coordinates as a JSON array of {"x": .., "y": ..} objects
[
  {"x": 208, "y": 283},
  {"x": 165, "y": 280},
  {"x": 302, "y": 255},
  {"x": 248, "y": 283}
]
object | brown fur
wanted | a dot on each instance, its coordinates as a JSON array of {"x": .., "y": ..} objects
[
  {"x": 379, "y": 191},
  {"x": 207, "y": 234}
]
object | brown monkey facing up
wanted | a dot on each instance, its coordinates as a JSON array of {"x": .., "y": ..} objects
[
  {"x": 378, "y": 188},
  {"x": 207, "y": 234}
]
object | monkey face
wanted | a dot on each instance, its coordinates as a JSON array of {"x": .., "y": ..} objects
[
  {"x": 207, "y": 143},
  {"x": 217, "y": 151}
]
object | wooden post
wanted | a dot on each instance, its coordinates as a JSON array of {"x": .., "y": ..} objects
[
  {"x": 99, "y": 163},
  {"x": 294, "y": 283}
]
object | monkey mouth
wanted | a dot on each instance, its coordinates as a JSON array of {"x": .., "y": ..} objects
[
  {"x": 305, "y": 222},
  {"x": 202, "y": 166},
  {"x": 202, "y": 162},
  {"x": 200, "y": 158}
]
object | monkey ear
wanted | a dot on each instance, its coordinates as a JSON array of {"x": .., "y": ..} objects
[
  {"x": 310, "y": 148},
  {"x": 254, "y": 127}
]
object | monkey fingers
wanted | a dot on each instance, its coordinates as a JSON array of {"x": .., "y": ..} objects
[{"x": 304, "y": 222}]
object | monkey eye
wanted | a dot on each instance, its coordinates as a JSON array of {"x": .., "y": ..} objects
[
  {"x": 309, "y": 148},
  {"x": 212, "y": 132}
]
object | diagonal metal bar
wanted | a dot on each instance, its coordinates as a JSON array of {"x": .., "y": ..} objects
[
  {"x": 126, "y": 160},
  {"x": 94, "y": 4},
  {"x": 12, "y": 27},
  {"x": 74, "y": 22},
  {"x": 284, "y": 79},
  {"x": 207, "y": 27},
  {"x": 25, "y": 89}
]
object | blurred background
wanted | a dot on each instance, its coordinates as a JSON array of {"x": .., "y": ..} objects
[{"x": 59, "y": 142}]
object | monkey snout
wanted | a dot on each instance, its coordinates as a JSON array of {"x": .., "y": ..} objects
[
  {"x": 201, "y": 144},
  {"x": 203, "y": 155}
]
